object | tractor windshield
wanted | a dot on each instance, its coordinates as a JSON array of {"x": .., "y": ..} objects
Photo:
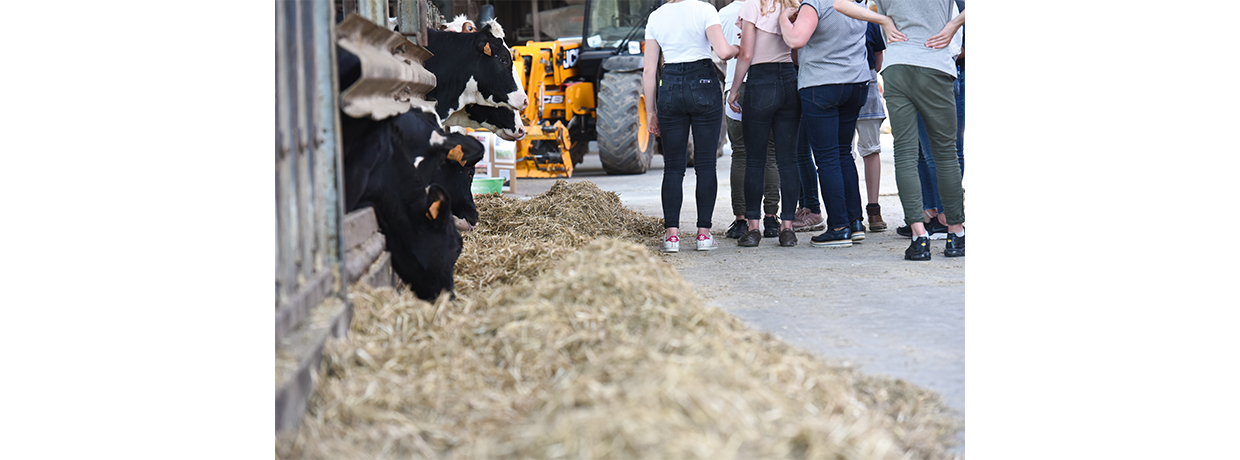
[{"x": 611, "y": 20}]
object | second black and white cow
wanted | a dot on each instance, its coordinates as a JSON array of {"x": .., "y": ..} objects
[
  {"x": 405, "y": 168},
  {"x": 503, "y": 121},
  {"x": 473, "y": 68}
]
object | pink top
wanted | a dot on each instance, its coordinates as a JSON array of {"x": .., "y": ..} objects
[{"x": 769, "y": 44}]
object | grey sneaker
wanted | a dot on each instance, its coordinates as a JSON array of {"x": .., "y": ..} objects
[{"x": 808, "y": 221}]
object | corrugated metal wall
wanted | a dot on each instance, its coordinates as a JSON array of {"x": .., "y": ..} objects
[{"x": 309, "y": 211}]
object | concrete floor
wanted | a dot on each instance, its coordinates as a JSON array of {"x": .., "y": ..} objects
[{"x": 862, "y": 306}]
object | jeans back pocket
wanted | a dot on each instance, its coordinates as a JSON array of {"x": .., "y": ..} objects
[{"x": 706, "y": 93}]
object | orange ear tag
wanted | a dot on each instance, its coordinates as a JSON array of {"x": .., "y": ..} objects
[
  {"x": 457, "y": 155},
  {"x": 487, "y": 49},
  {"x": 433, "y": 213}
]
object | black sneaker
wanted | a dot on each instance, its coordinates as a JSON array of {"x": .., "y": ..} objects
[
  {"x": 905, "y": 231},
  {"x": 770, "y": 227},
  {"x": 955, "y": 246},
  {"x": 936, "y": 230},
  {"x": 858, "y": 230},
  {"x": 737, "y": 229},
  {"x": 841, "y": 238},
  {"x": 919, "y": 249}
]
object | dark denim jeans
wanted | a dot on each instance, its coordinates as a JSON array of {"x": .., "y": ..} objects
[
  {"x": 809, "y": 173},
  {"x": 830, "y": 114},
  {"x": 771, "y": 107},
  {"x": 925, "y": 163},
  {"x": 689, "y": 94}
]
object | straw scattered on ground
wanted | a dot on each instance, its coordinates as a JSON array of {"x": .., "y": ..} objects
[
  {"x": 598, "y": 352},
  {"x": 517, "y": 239}
]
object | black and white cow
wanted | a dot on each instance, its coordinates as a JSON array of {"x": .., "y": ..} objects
[
  {"x": 402, "y": 166},
  {"x": 456, "y": 173},
  {"x": 503, "y": 121},
  {"x": 473, "y": 68}
]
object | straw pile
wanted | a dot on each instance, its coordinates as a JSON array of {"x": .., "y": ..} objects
[
  {"x": 608, "y": 354},
  {"x": 517, "y": 239}
]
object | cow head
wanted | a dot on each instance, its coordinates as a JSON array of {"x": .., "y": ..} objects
[
  {"x": 503, "y": 121},
  {"x": 473, "y": 68},
  {"x": 424, "y": 254},
  {"x": 456, "y": 175}
]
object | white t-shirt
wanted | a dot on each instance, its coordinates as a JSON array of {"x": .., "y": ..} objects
[
  {"x": 727, "y": 20},
  {"x": 680, "y": 29}
]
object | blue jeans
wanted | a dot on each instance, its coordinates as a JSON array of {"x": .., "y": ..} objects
[
  {"x": 689, "y": 94},
  {"x": 830, "y": 114},
  {"x": 925, "y": 163},
  {"x": 809, "y": 173},
  {"x": 771, "y": 107}
]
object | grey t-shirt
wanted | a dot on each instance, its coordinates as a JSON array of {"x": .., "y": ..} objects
[
  {"x": 919, "y": 20},
  {"x": 835, "y": 53}
]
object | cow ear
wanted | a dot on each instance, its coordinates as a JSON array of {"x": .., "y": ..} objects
[
  {"x": 438, "y": 204},
  {"x": 483, "y": 45}
]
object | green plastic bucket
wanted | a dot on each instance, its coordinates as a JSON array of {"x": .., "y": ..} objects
[{"x": 485, "y": 185}]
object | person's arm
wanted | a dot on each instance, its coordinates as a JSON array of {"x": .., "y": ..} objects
[
  {"x": 725, "y": 50},
  {"x": 650, "y": 83},
  {"x": 855, "y": 11},
  {"x": 797, "y": 35},
  {"x": 878, "y": 61},
  {"x": 748, "y": 35},
  {"x": 944, "y": 36}
]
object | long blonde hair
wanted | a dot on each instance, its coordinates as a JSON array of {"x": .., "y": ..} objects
[{"x": 766, "y": 7}]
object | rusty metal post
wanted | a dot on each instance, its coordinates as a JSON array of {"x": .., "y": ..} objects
[
  {"x": 374, "y": 10},
  {"x": 409, "y": 17}
]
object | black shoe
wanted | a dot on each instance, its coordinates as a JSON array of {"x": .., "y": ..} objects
[
  {"x": 787, "y": 238},
  {"x": 936, "y": 230},
  {"x": 841, "y": 238},
  {"x": 955, "y": 246},
  {"x": 905, "y": 231},
  {"x": 737, "y": 229},
  {"x": 858, "y": 230},
  {"x": 770, "y": 227},
  {"x": 919, "y": 249},
  {"x": 750, "y": 239}
]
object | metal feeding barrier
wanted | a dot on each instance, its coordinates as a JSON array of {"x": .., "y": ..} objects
[{"x": 319, "y": 249}]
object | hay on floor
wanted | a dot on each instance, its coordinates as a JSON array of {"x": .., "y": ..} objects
[
  {"x": 518, "y": 239},
  {"x": 607, "y": 354}
]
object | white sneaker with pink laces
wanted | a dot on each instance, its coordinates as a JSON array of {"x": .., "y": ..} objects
[
  {"x": 706, "y": 242},
  {"x": 671, "y": 244}
]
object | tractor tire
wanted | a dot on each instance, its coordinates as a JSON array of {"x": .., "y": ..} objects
[
  {"x": 624, "y": 145},
  {"x": 579, "y": 150}
]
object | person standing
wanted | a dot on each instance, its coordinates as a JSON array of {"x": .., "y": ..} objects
[
  {"x": 833, "y": 81},
  {"x": 869, "y": 128},
  {"x": 919, "y": 70},
  {"x": 773, "y": 109},
  {"x": 689, "y": 94},
  {"x": 770, "y": 193}
]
